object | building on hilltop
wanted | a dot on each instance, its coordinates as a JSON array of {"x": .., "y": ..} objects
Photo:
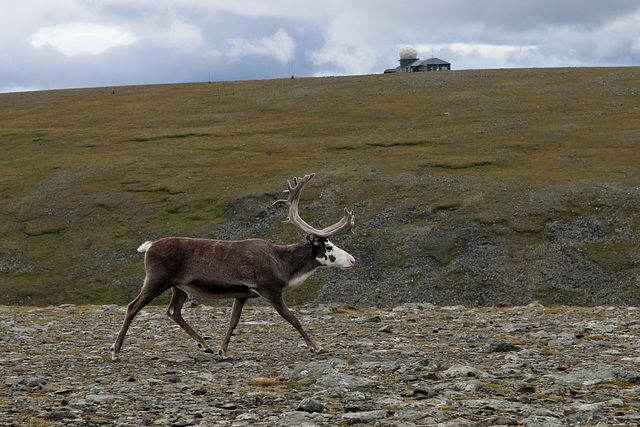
[{"x": 410, "y": 63}]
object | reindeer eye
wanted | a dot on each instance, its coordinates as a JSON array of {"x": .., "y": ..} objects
[{"x": 329, "y": 247}]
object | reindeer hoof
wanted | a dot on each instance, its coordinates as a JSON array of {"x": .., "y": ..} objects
[
  {"x": 114, "y": 357},
  {"x": 319, "y": 350},
  {"x": 208, "y": 350}
]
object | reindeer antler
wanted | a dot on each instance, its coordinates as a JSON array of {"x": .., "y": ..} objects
[{"x": 344, "y": 226}]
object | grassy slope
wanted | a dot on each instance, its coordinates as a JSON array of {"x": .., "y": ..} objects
[{"x": 86, "y": 175}]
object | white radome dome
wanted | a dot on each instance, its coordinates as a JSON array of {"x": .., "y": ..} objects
[{"x": 408, "y": 52}]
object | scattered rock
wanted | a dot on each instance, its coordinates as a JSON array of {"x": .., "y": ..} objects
[
  {"x": 423, "y": 393},
  {"x": 385, "y": 329},
  {"x": 457, "y": 371},
  {"x": 199, "y": 391},
  {"x": 310, "y": 405},
  {"x": 315, "y": 370},
  {"x": 373, "y": 319},
  {"x": 295, "y": 419},
  {"x": 496, "y": 346},
  {"x": 101, "y": 398},
  {"x": 54, "y": 369},
  {"x": 365, "y": 417},
  {"x": 59, "y": 415},
  {"x": 589, "y": 376},
  {"x": 34, "y": 382},
  {"x": 248, "y": 416},
  {"x": 346, "y": 382}
]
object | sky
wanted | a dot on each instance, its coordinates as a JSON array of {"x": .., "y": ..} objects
[{"x": 58, "y": 44}]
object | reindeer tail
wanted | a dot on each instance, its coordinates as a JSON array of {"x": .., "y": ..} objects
[{"x": 146, "y": 245}]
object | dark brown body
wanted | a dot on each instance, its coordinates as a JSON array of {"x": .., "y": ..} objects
[{"x": 227, "y": 269}]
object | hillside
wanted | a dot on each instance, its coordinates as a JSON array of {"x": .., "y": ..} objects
[{"x": 478, "y": 187}]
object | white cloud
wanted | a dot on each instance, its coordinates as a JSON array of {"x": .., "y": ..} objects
[
  {"x": 279, "y": 46},
  {"x": 618, "y": 38},
  {"x": 344, "y": 57},
  {"x": 76, "y": 38},
  {"x": 481, "y": 55},
  {"x": 8, "y": 89},
  {"x": 182, "y": 35},
  {"x": 352, "y": 45}
]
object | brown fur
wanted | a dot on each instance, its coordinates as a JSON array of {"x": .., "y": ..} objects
[{"x": 240, "y": 269}]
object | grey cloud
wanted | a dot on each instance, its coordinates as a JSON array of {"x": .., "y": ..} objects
[{"x": 188, "y": 40}]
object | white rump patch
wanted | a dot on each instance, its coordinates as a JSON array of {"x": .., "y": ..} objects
[{"x": 146, "y": 245}]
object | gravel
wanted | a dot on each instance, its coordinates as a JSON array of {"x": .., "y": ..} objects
[{"x": 435, "y": 365}]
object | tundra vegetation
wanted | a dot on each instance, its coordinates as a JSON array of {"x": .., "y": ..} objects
[{"x": 477, "y": 187}]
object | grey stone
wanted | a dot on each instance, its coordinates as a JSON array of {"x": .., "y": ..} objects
[
  {"x": 314, "y": 370},
  {"x": 296, "y": 419},
  {"x": 310, "y": 405},
  {"x": 426, "y": 364},
  {"x": 365, "y": 417},
  {"x": 496, "y": 346},
  {"x": 59, "y": 415},
  {"x": 586, "y": 417},
  {"x": 101, "y": 398},
  {"x": 34, "y": 382},
  {"x": 457, "y": 371},
  {"x": 248, "y": 416},
  {"x": 415, "y": 416},
  {"x": 499, "y": 420},
  {"x": 537, "y": 421},
  {"x": 345, "y": 381},
  {"x": 372, "y": 319},
  {"x": 423, "y": 393},
  {"x": 459, "y": 422},
  {"x": 590, "y": 376}
]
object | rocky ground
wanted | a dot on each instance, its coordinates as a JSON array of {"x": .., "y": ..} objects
[{"x": 411, "y": 365}]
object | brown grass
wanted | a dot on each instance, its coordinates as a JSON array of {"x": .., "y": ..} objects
[
  {"x": 266, "y": 381},
  {"x": 87, "y": 175}
]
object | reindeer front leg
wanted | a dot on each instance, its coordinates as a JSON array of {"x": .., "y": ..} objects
[
  {"x": 278, "y": 303},
  {"x": 236, "y": 311}
]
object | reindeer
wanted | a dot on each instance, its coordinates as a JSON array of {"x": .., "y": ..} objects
[{"x": 240, "y": 269}]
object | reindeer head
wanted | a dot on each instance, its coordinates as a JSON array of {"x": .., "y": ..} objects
[{"x": 325, "y": 252}]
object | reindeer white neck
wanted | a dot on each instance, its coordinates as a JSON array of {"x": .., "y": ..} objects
[{"x": 240, "y": 269}]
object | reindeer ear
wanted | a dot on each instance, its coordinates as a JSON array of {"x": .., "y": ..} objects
[{"x": 315, "y": 240}]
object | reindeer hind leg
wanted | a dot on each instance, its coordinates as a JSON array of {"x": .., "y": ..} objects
[
  {"x": 147, "y": 294},
  {"x": 174, "y": 311}
]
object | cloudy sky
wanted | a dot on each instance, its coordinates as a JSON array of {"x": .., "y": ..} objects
[{"x": 47, "y": 44}]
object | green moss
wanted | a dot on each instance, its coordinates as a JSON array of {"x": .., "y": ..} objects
[
  {"x": 46, "y": 225},
  {"x": 459, "y": 163},
  {"x": 611, "y": 256},
  {"x": 553, "y": 296},
  {"x": 441, "y": 244},
  {"x": 300, "y": 385},
  {"x": 447, "y": 204}
]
